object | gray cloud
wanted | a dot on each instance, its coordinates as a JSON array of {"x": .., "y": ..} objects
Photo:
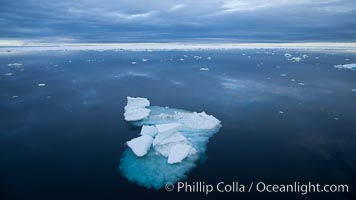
[{"x": 162, "y": 20}]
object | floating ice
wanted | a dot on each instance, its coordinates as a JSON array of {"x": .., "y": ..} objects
[
  {"x": 353, "y": 90},
  {"x": 287, "y": 55},
  {"x": 144, "y": 59},
  {"x": 295, "y": 59},
  {"x": 209, "y": 58},
  {"x": 41, "y": 85},
  {"x": 14, "y": 65},
  {"x": 8, "y": 74},
  {"x": 178, "y": 153},
  {"x": 204, "y": 69},
  {"x": 133, "y": 63},
  {"x": 149, "y": 130},
  {"x": 178, "y": 139},
  {"x": 351, "y": 66},
  {"x": 140, "y": 145},
  {"x": 136, "y": 109}
]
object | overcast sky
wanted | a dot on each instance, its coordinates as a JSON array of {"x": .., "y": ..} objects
[{"x": 185, "y": 20}]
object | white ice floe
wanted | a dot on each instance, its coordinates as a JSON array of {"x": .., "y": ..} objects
[
  {"x": 149, "y": 130},
  {"x": 209, "y": 58},
  {"x": 41, "y": 84},
  {"x": 9, "y": 74},
  {"x": 301, "y": 83},
  {"x": 204, "y": 69},
  {"x": 166, "y": 129},
  {"x": 196, "y": 120},
  {"x": 351, "y": 66},
  {"x": 14, "y": 65},
  {"x": 172, "y": 140},
  {"x": 295, "y": 59},
  {"x": 287, "y": 55},
  {"x": 144, "y": 60},
  {"x": 140, "y": 145},
  {"x": 353, "y": 90},
  {"x": 133, "y": 63},
  {"x": 136, "y": 109},
  {"x": 283, "y": 75},
  {"x": 164, "y": 145},
  {"x": 197, "y": 57},
  {"x": 15, "y": 96},
  {"x": 178, "y": 153}
]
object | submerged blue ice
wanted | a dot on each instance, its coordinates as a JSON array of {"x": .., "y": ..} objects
[{"x": 153, "y": 170}]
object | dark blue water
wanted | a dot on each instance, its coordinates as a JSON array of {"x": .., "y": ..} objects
[{"x": 65, "y": 140}]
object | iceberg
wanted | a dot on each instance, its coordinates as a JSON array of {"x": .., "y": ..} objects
[
  {"x": 351, "y": 66},
  {"x": 171, "y": 144},
  {"x": 136, "y": 109}
]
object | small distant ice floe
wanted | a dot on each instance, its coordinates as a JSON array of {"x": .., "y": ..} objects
[
  {"x": 14, "y": 65},
  {"x": 197, "y": 57},
  {"x": 204, "y": 69},
  {"x": 353, "y": 90},
  {"x": 15, "y": 96},
  {"x": 281, "y": 112},
  {"x": 302, "y": 84},
  {"x": 351, "y": 66},
  {"x": 171, "y": 140},
  {"x": 287, "y": 55},
  {"x": 292, "y": 58},
  {"x": 41, "y": 84},
  {"x": 209, "y": 58},
  {"x": 144, "y": 60},
  {"x": 295, "y": 59},
  {"x": 133, "y": 63},
  {"x": 9, "y": 74},
  {"x": 283, "y": 75}
]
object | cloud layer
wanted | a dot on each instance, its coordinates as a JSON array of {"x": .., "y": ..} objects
[{"x": 165, "y": 20}]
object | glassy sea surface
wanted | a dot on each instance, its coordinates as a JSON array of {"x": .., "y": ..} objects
[{"x": 284, "y": 120}]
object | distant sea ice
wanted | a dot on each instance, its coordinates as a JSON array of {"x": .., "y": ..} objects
[
  {"x": 351, "y": 66},
  {"x": 170, "y": 144}
]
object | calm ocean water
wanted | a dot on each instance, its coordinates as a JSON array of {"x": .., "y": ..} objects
[{"x": 62, "y": 131}]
